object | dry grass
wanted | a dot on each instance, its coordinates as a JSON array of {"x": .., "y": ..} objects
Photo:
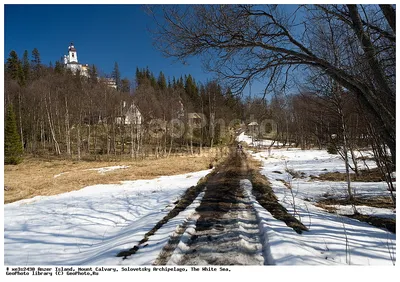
[
  {"x": 374, "y": 175},
  {"x": 377, "y": 202},
  {"x": 35, "y": 177},
  {"x": 266, "y": 197},
  {"x": 328, "y": 208},
  {"x": 381, "y": 222}
]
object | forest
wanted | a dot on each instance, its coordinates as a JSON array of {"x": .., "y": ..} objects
[{"x": 63, "y": 114}]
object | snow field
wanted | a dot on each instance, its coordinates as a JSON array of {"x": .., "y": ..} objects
[
  {"x": 325, "y": 243},
  {"x": 89, "y": 226},
  {"x": 332, "y": 239}
]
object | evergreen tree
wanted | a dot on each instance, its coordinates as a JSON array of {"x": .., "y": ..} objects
[
  {"x": 26, "y": 67},
  {"x": 147, "y": 73},
  {"x": 93, "y": 74},
  {"x": 35, "y": 57},
  {"x": 169, "y": 83},
  {"x": 125, "y": 85},
  {"x": 21, "y": 76},
  {"x": 162, "y": 82},
  {"x": 191, "y": 88},
  {"x": 153, "y": 81},
  {"x": 12, "y": 144},
  {"x": 116, "y": 75},
  {"x": 58, "y": 68},
  {"x": 36, "y": 62},
  {"x": 12, "y": 65},
  {"x": 15, "y": 69},
  {"x": 180, "y": 83},
  {"x": 173, "y": 82}
]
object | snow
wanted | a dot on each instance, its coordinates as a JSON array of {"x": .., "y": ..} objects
[
  {"x": 103, "y": 170},
  {"x": 147, "y": 255},
  {"x": 62, "y": 173},
  {"x": 90, "y": 226},
  {"x": 235, "y": 242},
  {"x": 255, "y": 142},
  {"x": 325, "y": 242},
  {"x": 308, "y": 163}
]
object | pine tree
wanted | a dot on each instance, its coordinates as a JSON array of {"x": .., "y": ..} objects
[
  {"x": 190, "y": 87},
  {"x": 162, "y": 82},
  {"x": 12, "y": 144},
  {"x": 93, "y": 74},
  {"x": 116, "y": 75},
  {"x": 58, "y": 68},
  {"x": 12, "y": 65},
  {"x": 153, "y": 81},
  {"x": 26, "y": 67},
  {"x": 125, "y": 85},
  {"x": 35, "y": 57},
  {"x": 36, "y": 62},
  {"x": 21, "y": 76}
]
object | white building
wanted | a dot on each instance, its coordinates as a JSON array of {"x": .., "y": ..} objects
[
  {"x": 110, "y": 82},
  {"x": 130, "y": 114},
  {"x": 71, "y": 61}
]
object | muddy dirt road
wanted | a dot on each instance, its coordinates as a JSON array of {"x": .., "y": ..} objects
[{"x": 223, "y": 230}]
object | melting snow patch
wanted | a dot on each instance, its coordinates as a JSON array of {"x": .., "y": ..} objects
[
  {"x": 103, "y": 170},
  {"x": 58, "y": 175}
]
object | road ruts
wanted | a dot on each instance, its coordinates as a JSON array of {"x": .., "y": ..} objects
[{"x": 226, "y": 231}]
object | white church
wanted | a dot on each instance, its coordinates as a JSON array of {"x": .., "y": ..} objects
[
  {"x": 130, "y": 114},
  {"x": 71, "y": 62}
]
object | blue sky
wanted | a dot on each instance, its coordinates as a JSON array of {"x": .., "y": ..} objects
[{"x": 102, "y": 35}]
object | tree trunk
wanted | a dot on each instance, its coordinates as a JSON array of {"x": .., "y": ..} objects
[
  {"x": 20, "y": 120},
  {"x": 346, "y": 157},
  {"x": 53, "y": 134},
  {"x": 67, "y": 129},
  {"x": 390, "y": 15},
  {"x": 78, "y": 141},
  {"x": 132, "y": 141}
]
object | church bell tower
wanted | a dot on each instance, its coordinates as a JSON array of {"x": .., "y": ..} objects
[{"x": 72, "y": 55}]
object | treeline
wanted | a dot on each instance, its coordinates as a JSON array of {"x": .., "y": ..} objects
[
  {"x": 345, "y": 53},
  {"x": 325, "y": 116},
  {"x": 62, "y": 113}
]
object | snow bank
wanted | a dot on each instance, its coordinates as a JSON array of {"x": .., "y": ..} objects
[{"x": 91, "y": 225}]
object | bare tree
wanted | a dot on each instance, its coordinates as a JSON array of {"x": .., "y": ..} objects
[{"x": 246, "y": 42}]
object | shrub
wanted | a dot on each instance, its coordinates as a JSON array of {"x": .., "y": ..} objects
[{"x": 332, "y": 149}]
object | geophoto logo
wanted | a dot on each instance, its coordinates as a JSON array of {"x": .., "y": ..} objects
[{"x": 178, "y": 127}]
